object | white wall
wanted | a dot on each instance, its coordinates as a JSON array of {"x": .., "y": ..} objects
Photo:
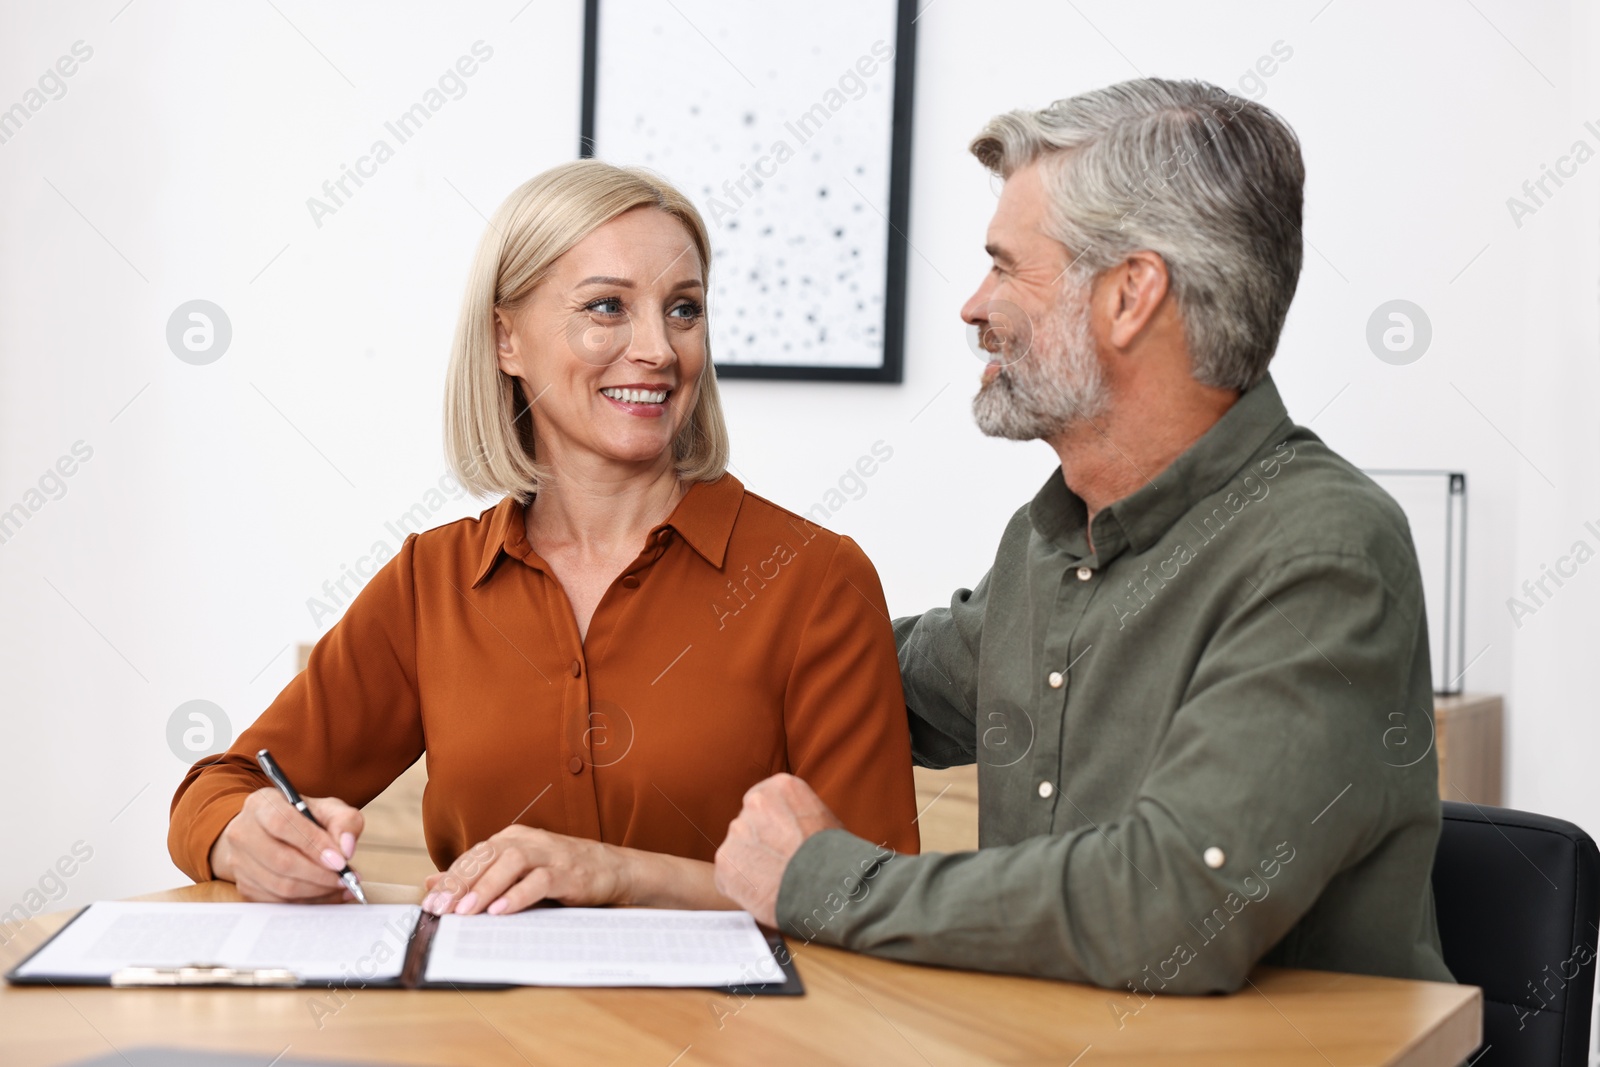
[{"x": 178, "y": 564}]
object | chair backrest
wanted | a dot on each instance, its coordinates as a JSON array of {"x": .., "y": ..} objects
[{"x": 1518, "y": 901}]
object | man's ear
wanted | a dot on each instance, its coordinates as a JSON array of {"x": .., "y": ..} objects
[
  {"x": 1138, "y": 287},
  {"x": 505, "y": 346}
]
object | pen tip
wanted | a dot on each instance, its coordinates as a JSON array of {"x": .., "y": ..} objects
[{"x": 354, "y": 886}]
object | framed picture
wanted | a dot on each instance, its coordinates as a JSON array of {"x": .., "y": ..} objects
[{"x": 789, "y": 126}]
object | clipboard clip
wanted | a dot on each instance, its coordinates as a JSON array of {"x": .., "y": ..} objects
[{"x": 200, "y": 974}]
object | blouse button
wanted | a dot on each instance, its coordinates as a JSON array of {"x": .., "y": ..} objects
[
  {"x": 1085, "y": 573},
  {"x": 1214, "y": 857},
  {"x": 1045, "y": 789},
  {"x": 577, "y": 668},
  {"x": 1056, "y": 679},
  {"x": 630, "y": 582},
  {"x": 575, "y": 765}
]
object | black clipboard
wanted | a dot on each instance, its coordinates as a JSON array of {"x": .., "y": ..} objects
[
  {"x": 418, "y": 945},
  {"x": 411, "y": 976}
]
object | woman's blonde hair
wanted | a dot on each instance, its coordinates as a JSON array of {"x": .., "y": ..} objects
[{"x": 488, "y": 426}]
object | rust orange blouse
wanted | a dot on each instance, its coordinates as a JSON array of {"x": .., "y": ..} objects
[{"x": 742, "y": 641}]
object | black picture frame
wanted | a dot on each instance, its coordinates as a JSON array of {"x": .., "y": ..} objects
[{"x": 892, "y": 368}]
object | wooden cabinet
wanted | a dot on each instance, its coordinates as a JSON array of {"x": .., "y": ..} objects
[
  {"x": 1470, "y": 732},
  {"x": 392, "y": 848}
]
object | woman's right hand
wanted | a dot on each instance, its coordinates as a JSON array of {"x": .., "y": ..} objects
[{"x": 276, "y": 855}]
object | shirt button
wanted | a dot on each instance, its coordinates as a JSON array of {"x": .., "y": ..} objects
[
  {"x": 630, "y": 582},
  {"x": 1045, "y": 789},
  {"x": 575, "y": 765},
  {"x": 577, "y": 668},
  {"x": 1085, "y": 573},
  {"x": 1056, "y": 680},
  {"x": 1214, "y": 857}
]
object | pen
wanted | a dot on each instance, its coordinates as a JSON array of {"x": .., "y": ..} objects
[{"x": 270, "y": 768}]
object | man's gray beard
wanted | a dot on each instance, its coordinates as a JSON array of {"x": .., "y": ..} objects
[{"x": 1053, "y": 386}]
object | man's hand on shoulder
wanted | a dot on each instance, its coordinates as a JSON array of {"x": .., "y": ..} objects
[{"x": 779, "y": 814}]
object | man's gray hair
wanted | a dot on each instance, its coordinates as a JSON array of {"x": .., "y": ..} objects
[{"x": 1211, "y": 182}]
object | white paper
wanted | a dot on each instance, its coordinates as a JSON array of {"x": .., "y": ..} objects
[
  {"x": 315, "y": 941},
  {"x": 603, "y": 947}
]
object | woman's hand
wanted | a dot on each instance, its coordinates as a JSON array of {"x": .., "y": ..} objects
[
  {"x": 275, "y": 854},
  {"x": 520, "y": 866}
]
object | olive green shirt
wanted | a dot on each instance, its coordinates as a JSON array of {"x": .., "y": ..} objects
[{"x": 1202, "y": 743}]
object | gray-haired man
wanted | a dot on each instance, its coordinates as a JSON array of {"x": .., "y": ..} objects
[{"x": 1195, "y": 679}]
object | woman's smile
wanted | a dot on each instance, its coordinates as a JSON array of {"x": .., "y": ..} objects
[{"x": 644, "y": 400}]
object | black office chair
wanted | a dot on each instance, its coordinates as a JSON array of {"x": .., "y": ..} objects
[{"x": 1518, "y": 900}]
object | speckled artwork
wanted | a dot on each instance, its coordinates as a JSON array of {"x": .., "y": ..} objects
[{"x": 776, "y": 120}]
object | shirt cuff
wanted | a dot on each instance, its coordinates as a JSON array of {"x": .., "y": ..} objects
[
  {"x": 191, "y": 845},
  {"x": 831, "y": 871}
]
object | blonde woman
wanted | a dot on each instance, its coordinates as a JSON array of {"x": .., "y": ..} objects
[{"x": 598, "y": 667}]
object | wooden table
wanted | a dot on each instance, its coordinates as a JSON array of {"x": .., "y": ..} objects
[{"x": 857, "y": 1010}]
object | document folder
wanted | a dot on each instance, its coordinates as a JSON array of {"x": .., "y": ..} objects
[{"x": 144, "y": 944}]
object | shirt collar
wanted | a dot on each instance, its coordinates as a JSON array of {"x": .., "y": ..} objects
[
  {"x": 1140, "y": 519},
  {"x": 704, "y": 518}
]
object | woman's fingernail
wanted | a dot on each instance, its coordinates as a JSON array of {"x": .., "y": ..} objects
[
  {"x": 347, "y": 841},
  {"x": 441, "y": 903},
  {"x": 466, "y": 903},
  {"x": 332, "y": 860},
  {"x": 427, "y": 902},
  {"x": 498, "y": 906}
]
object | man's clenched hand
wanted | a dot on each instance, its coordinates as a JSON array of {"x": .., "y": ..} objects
[{"x": 779, "y": 814}]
